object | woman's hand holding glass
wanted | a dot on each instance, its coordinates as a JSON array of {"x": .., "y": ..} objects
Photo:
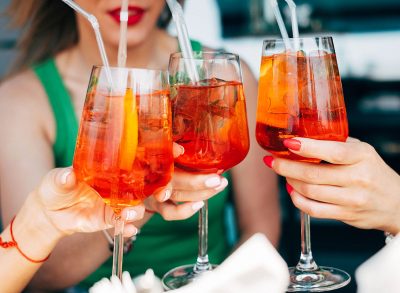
[{"x": 358, "y": 187}]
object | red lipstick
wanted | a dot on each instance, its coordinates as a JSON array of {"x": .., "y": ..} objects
[{"x": 135, "y": 14}]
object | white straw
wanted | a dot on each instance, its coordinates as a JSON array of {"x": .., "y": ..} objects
[
  {"x": 96, "y": 27},
  {"x": 123, "y": 17},
  {"x": 295, "y": 26},
  {"x": 281, "y": 24},
  {"x": 183, "y": 38}
]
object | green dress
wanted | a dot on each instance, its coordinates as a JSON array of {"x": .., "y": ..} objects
[{"x": 161, "y": 245}]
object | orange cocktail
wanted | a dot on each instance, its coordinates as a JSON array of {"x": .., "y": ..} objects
[
  {"x": 125, "y": 155},
  {"x": 299, "y": 95},
  {"x": 210, "y": 123}
]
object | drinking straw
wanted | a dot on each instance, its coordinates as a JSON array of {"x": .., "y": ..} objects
[
  {"x": 281, "y": 24},
  {"x": 295, "y": 27},
  {"x": 183, "y": 38},
  {"x": 123, "y": 17},
  {"x": 96, "y": 27}
]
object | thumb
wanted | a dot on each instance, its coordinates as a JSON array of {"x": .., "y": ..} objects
[{"x": 59, "y": 189}]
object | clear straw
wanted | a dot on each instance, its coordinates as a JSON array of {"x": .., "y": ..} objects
[
  {"x": 122, "y": 48},
  {"x": 295, "y": 26},
  {"x": 96, "y": 27},
  {"x": 281, "y": 24},
  {"x": 183, "y": 38}
]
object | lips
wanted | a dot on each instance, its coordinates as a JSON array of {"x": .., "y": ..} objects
[{"x": 135, "y": 14}]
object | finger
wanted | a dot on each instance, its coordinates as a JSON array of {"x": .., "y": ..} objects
[
  {"x": 60, "y": 189},
  {"x": 188, "y": 181},
  {"x": 322, "y": 193},
  {"x": 198, "y": 195},
  {"x": 178, "y": 150},
  {"x": 318, "y": 209},
  {"x": 171, "y": 211},
  {"x": 163, "y": 194},
  {"x": 352, "y": 139},
  {"x": 308, "y": 172},
  {"x": 330, "y": 151},
  {"x": 132, "y": 214},
  {"x": 130, "y": 230}
]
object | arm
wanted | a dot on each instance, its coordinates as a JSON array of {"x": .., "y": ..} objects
[
  {"x": 60, "y": 206},
  {"x": 358, "y": 187},
  {"x": 255, "y": 187}
]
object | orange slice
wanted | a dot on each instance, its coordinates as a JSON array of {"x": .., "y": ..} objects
[{"x": 130, "y": 131}]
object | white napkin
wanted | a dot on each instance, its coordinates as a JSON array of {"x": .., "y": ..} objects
[
  {"x": 381, "y": 273},
  {"x": 255, "y": 266}
]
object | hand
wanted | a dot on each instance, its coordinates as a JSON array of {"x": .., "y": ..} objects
[
  {"x": 358, "y": 187},
  {"x": 185, "y": 194},
  {"x": 73, "y": 206}
]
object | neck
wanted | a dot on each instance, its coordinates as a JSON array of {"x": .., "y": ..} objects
[{"x": 151, "y": 53}]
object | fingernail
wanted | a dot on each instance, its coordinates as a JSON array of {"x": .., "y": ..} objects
[
  {"x": 197, "y": 205},
  {"x": 268, "y": 160},
  {"x": 292, "y": 144},
  {"x": 182, "y": 150},
  {"x": 131, "y": 215},
  {"x": 289, "y": 188},
  {"x": 213, "y": 181},
  {"x": 224, "y": 183},
  {"x": 136, "y": 231},
  {"x": 167, "y": 195},
  {"x": 64, "y": 177}
]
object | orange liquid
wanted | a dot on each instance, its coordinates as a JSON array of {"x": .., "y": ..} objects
[
  {"x": 210, "y": 123},
  {"x": 98, "y": 156},
  {"x": 299, "y": 96}
]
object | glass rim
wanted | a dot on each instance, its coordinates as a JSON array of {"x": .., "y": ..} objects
[
  {"x": 232, "y": 56},
  {"x": 298, "y": 39},
  {"x": 115, "y": 68}
]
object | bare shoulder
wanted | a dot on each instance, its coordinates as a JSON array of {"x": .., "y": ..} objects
[{"x": 22, "y": 97}]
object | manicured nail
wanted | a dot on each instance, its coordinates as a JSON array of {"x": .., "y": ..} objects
[
  {"x": 136, "y": 231},
  {"x": 197, "y": 205},
  {"x": 64, "y": 177},
  {"x": 224, "y": 183},
  {"x": 292, "y": 144},
  {"x": 182, "y": 150},
  {"x": 289, "y": 188},
  {"x": 268, "y": 160},
  {"x": 167, "y": 195},
  {"x": 213, "y": 181},
  {"x": 131, "y": 215}
]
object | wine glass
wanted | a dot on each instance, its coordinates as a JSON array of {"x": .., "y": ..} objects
[
  {"x": 210, "y": 122},
  {"x": 124, "y": 146},
  {"x": 300, "y": 94}
]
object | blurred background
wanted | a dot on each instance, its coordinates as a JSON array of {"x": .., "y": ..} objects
[{"x": 367, "y": 38}]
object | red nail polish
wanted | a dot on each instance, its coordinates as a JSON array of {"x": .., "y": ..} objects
[
  {"x": 268, "y": 160},
  {"x": 289, "y": 188},
  {"x": 292, "y": 144}
]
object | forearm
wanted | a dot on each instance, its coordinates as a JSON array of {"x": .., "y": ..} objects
[
  {"x": 35, "y": 237},
  {"x": 74, "y": 258}
]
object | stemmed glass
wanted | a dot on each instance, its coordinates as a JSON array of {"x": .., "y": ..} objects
[
  {"x": 124, "y": 146},
  {"x": 210, "y": 122},
  {"x": 300, "y": 94}
]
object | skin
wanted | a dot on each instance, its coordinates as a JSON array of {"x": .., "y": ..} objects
[
  {"x": 358, "y": 187},
  {"x": 24, "y": 105},
  {"x": 62, "y": 206}
]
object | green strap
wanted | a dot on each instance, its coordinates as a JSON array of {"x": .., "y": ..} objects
[
  {"x": 196, "y": 46},
  {"x": 64, "y": 114}
]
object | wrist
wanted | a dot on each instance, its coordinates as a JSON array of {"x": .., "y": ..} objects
[{"x": 33, "y": 230}]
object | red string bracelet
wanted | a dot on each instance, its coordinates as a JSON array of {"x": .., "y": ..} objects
[{"x": 14, "y": 243}]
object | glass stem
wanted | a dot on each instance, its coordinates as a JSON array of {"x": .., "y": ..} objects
[
  {"x": 202, "y": 263},
  {"x": 306, "y": 262},
  {"x": 118, "y": 247}
]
